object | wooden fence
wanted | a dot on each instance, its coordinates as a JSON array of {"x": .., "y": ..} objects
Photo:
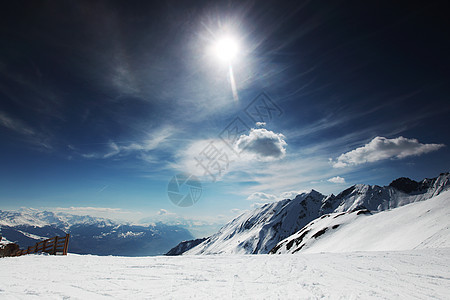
[{"x": 53, "y": 246}]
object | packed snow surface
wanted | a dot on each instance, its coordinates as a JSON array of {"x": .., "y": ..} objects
[{"x": 416, "y": 274}]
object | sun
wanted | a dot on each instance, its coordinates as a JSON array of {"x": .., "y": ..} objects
[{"x": 226, "y": 49}]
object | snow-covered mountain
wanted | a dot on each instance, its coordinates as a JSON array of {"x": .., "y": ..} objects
[
  {"x": 90, "y": 235},
  {"x": 424, "y": 224},
  {"x": 400, "y": 192},
  {"x": 35, "y": 217},
  {"x": 260, "y": 230}
]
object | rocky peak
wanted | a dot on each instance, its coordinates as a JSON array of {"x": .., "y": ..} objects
[{"x": 405, "y": 184}]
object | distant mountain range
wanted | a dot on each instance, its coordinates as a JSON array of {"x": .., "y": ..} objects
[
  {"x": 261, "y": 230},
  {"x": 90, "y": 235}
]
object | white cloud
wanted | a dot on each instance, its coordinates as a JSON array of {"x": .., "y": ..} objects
[
  {"x": 260, "y": 124},
  {"x": 336, "y": 179},
  {"x": 381, "y": 148},
  {"x": 265, "y": 197},
  {"x": 262, "y": 197},
  {"x": 165, "y": 212},
  {"x": 262, "y": 144},
  {"x": 291, "y": 194}
]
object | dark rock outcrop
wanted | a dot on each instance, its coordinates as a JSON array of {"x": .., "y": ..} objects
[
  {"x": 184, "y": 246},
  {"x": 405, "y": 184},
  {"x": 8, "y": 249}
]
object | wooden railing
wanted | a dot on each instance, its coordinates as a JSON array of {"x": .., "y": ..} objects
[{"x": 53, "y": 246}]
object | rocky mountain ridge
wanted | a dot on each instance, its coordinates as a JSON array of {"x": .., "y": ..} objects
[{"x": 258, "y": 231}]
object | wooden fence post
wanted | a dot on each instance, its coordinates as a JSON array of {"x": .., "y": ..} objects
[
  {"x": 66, "y": 244},
  {"x": 55, "y": 245}
]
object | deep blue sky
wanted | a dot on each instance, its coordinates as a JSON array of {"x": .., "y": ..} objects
[{"x": 102, "y": 102}]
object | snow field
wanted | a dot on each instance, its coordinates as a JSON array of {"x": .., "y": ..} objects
[{"x": 415, "y": 274}]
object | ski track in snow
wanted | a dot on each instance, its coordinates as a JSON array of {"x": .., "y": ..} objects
[{"x": 415, "y": 274}]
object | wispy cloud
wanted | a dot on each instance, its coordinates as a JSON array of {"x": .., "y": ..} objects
[
  {"x": 103, "y": 188},
  {"x": 259, "y": 146},
  {"x": 381, "y": 148},
  {"x": 116, "y": 149},
  {"x": 15, "y": 125},
  {"x": 292, "y": 173},
  {"x": 363, "y": 108},
  {"x": 26, "y": 133},
  {"x": 88, "y": 209}
]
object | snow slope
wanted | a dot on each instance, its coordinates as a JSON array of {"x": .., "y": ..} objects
[
  {"x": 418, "y": 225},
  {"x": 418, "y": 274},
  {"x": 260, "y": 230}
]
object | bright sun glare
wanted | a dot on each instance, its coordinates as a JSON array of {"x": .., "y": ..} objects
[{"x": 226, "y": 49}]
